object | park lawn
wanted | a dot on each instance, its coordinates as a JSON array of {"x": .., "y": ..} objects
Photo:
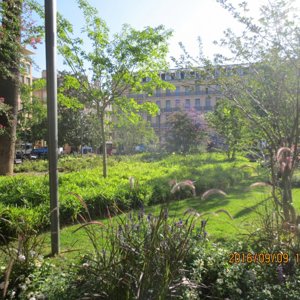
[{"x": 243, "y": 204}]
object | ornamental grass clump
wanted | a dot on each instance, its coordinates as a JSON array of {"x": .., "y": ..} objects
[{"x": 139, "y": 256}]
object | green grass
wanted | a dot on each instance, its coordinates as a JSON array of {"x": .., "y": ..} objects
[
  {"x": 210, "y": 170},
  {"x": 241, "y": 204}
]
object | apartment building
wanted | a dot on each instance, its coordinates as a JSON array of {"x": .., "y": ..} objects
[
  {"x": 42, "y": 95},
  {"x": 191, "y": 94},
  {"x": 26, "y": 72}
]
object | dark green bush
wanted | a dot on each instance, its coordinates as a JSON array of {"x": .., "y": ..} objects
[
  {"x": 214, "y": 277},
  {"x": 151, "y": 182}
]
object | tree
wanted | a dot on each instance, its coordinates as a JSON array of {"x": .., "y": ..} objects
[
  {"x": 185, "y": 131},
  {"x": 115, "y": 66},
  {"x": 10, "y": 48},
  {"x": 12, "y": 42},
  {"x": 261, "y": 79},
  {"x": 228, "y": 122},
  {"x": 32, "y": 116},
  {"x": 129, "y": 134},
  {"x": 267, "y": 93}
]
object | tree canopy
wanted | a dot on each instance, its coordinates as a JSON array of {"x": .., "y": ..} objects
[{"x": 109, "y": 68}]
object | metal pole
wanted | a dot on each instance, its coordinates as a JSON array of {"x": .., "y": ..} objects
[{"x": 50, "y": 27}]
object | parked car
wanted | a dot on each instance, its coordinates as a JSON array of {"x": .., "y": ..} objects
[
  {"x": 86, "y": 150},
  {"x": 39, "y": 152},
  {"x": 18, "y": 158}
]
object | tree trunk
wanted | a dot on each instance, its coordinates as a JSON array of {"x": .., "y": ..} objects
[
  {"x": 287, "y": 200},
  {"x": 9, "y": 83},
  {"x": 10, "y": 92},
  {"x": 104, "y": 153}
]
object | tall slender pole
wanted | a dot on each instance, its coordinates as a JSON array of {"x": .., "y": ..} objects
[{"x": 50, "y": 27}]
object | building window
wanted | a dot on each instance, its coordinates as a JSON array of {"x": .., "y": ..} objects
[
  {"x": 158, "y": 120},
  {"x": 187, "y": 91},
  {"x": 208, "y": 104},
  {"x": 27, "y": 67},
  {"x": 158, "y": 103},
  {"x": 149, "y": 118},
  {"x": 168, "y": 92},
  {"x": 177, "y": 91},
  {"x": 168, "y": 105},
  {"x": 163, "y": 76},
  {"x": 187, "y": 104},
  {"x": 197, "y": 104},
  {"x": 206, "y": 90},
  {"x": 168, "y": 77},
  {"x": 177, "y": 102},
  {"x": 158, "y": 93},
  {"x": 197, "y": 90}
]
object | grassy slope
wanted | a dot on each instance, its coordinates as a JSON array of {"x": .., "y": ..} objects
[{"x": 208, "y": 170}]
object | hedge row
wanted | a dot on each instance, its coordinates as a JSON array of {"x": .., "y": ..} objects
[{"x": 30, "y": 193}]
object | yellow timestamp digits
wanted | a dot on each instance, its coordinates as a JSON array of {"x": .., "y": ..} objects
[{"x": 261, "y": 258}]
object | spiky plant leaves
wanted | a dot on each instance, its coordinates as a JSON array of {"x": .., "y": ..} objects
[
  {"x": 260, "y": 183},
  {"x": 89, "y": 223},
  {"x": 281, "y": 151},
  {"x": 212, "y": 192}
]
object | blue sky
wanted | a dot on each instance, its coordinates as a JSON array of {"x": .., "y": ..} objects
[{"x": 188, "y": 18}]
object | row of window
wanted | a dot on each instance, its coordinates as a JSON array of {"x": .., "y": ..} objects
[
  {"x": 187, "y": 103},
  {"x": 182, "y": 91},
  {"x": 185, "y": 74}
]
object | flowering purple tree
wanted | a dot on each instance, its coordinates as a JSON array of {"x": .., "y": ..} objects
[{"x": 186, "y": 130}]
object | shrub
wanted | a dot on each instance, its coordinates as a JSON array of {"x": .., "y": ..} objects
[
  {"x": 139, "y": 257},
  {"x": 214, "y": 277}
]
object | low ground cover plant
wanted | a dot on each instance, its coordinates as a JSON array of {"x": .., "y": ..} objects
[
  {"x": 151, "y": 184},
  {"x": 152, "y": 253}
]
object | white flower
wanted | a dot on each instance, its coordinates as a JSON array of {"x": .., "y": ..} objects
[
  {"x": 37, "y": 263},
  {"x": 85, "y": 265},
  {"x": 21, "y": 257},
  {"x": 32, "y": 253},
  {"x": 40, "y": 257}
]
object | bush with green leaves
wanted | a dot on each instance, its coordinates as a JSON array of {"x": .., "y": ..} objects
[
  {"x": 151, "y": 184},
  {"x": 21, "y": 255},
  {"x": 213, "y": 276},
  {"x": 136, "y": 256}
]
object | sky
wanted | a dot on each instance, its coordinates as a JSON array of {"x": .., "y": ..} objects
[{"x": 189, "y": 20}]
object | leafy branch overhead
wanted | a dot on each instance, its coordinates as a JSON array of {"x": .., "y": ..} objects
[{"x": 110, "y": 67}]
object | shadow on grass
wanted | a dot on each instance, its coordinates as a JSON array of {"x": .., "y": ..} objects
[{"x": 248, "y": 210}]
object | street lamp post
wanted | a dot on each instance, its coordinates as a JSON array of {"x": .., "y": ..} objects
[{"x": 50, "y": 28}]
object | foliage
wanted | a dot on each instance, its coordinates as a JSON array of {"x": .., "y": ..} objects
[
  {"x": 214, "y": 276},
  {"x": 32, "y": 122},
  {"x": 22, "y": 255},
  {"x": 229, "y": 124},
  {"x": 266, "y": 89},
  {"x": 127, "y": 134},
  {"x": 4, "y": 113},
  {"x": 114, "y": 67},
  {"x": 16, "y": 31},
  {"x": 135, "y": 256},
  {"x": 260, "y": 76},
  {"x": 150, "y": 179},
  {"x": 185, "y": 133}
]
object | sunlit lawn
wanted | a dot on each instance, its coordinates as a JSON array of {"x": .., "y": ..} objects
[{"x": 243, "y": 204}]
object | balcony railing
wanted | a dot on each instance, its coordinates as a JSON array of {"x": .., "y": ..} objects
[
  {"x": 177, "y": 94},
  {"x": 196, "y": 108}
]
